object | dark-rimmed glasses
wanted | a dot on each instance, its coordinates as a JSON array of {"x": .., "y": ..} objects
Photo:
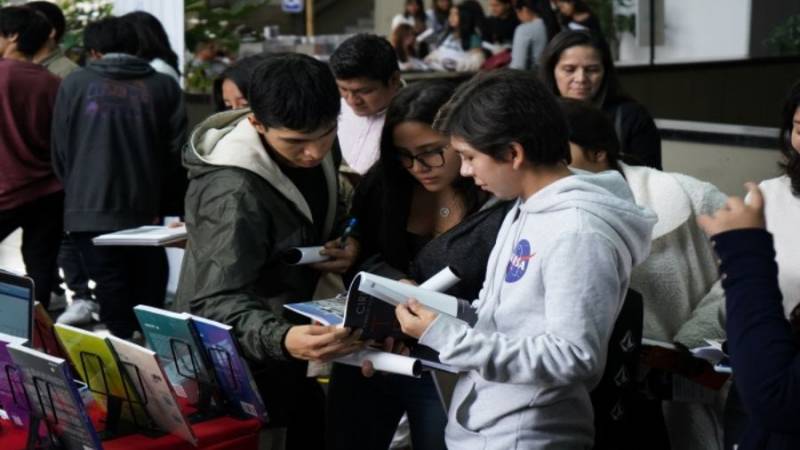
[{"x": 430, "y": 158}]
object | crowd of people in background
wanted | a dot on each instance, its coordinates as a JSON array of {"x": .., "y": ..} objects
[{"x": 541, "y": 183}]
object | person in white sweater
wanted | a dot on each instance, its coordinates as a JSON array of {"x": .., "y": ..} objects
[
  {"x": 555, "y": 280},
  {"x": 683, "y": 299}
]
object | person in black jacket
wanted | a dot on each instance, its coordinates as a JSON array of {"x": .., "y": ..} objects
[
  {"x": 416, "y": 216},
  {"x": 578, "y": 64},
  {"x": 117, "y": 130},
  {"x": 763, "y": 348}
]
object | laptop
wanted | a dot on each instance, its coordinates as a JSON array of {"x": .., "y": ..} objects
[{"x": 16, "y": 305}]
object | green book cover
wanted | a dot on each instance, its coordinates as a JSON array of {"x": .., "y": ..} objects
[
  {"x": 174, "y": 339},
  {"x": 97, "y": 366}
]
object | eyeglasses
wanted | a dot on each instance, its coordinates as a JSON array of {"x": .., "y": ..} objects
[{"x": 429, "y": 159}]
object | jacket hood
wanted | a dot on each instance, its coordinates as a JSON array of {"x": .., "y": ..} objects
[
  {"x": 227, "y": 139},
  {"x": 121, "y": 66},
  {"x": 590, "y": 192}
]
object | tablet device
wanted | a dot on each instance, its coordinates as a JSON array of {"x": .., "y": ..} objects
[{"x": 16, "y": 305}]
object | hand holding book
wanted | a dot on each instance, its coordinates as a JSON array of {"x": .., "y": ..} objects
[
  {"x": 414, "y": 318},
  {"x": 321, "y": 343}
]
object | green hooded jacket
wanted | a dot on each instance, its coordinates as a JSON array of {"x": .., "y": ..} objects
[{"x": 242, "y": 213}]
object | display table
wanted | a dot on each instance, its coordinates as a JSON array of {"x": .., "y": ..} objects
[{"x": 216, "y": 434}]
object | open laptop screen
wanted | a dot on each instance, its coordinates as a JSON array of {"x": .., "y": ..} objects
[{"x": 16, "y": 305}]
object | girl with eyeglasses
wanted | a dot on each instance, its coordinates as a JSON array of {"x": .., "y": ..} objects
[{"x": 416, "y": 215}]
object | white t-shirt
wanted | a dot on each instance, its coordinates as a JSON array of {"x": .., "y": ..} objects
[
  {"x": 360, "y": 138},
  {"x": 782, "y": 211}
]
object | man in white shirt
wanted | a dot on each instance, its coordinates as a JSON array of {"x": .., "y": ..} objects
[{"x": 368, "y": 77}]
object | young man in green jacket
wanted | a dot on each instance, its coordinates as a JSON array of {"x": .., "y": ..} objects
[{"x": 262, "y": 181}]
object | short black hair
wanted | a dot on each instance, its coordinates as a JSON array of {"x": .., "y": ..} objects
[
  {"x": 153, "y": 39},
  {"x": 54, "y": 15},
  {"x": 494, "y": 109},
  {"x": 30, "y": 26},
  {"x": 791, "y": 162},
  {"x": 365, "y": 55},
  {"x": 609, "y": 91},
  {"x": 111, "y": 35},
  {"x": 294, "y": 91},
  {"x": 591, "y": 129}
]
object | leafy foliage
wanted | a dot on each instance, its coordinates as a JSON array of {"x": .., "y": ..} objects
[{"x": 785, "y": 38}]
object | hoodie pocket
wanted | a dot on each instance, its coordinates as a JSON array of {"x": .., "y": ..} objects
[{"x": 460, "y": 436}]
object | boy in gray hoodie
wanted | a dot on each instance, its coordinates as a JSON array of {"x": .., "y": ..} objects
[{"x": 555, "y": 281}]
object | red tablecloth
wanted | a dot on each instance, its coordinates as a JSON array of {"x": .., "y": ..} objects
[{"x": 224, "y": 433}]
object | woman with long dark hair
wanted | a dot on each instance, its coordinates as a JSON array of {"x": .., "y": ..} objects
[
  {"x": 229, "y": 90},
  {"x": 459, "y": 47},
  {"x": 413, "y": 14},
  {"x": 501, "y": 23},
  {"x": 416, "y": 215},
  {"x": 578, "y": 65},
  {"x": 537, "y": 26},
  {"x": 154, "y": 43}
]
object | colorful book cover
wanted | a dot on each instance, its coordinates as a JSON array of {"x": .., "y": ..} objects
[
  {"x": 143, "y": 369},
  {"x": 44, "y": 336},
  {"x": 173, "y": 337},
  {"x": 12, "y": 393},
  {"x": 95, "y": 363},
  {"x": 327, "y": 311},
  {"x": 233, "y": 374},
  {"x": 54, "y": 397}
]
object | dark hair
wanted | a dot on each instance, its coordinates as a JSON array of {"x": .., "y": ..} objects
[
  {"x": 153, "y": 39},
  {"x": 792, "y": 163},
  {"x": 420, "y": 10},
  {"x": 365, "y": 55},
  {"x": 471, "y": 22},
  {"x": 542, "y": 10},
  {"x": 239, "y": 74},
  {"x": 111, "y": 35},
  {"x": 294, "y": 91},
  {"x": 419, "y": 102},
  {"x": 30, "y": 26},
  {"x": 591, "y": 129},
  {"x": 441, "y": 15},
  {"x": 609, "y": 88},
  {"x": 579, "y": 5},
  {"x": 54, "y": 15},
  {"x": 496, "y": 108}
]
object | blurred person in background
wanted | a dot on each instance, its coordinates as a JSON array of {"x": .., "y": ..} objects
[
  {"x": 578, "y": 65},
  {"x": 31, "y": 197},
  {"x": 154, "y": 43},
  {"x": 537, "y": 26}
]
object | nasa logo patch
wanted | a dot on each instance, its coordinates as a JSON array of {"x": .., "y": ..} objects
[{"x": 518, "y": 263}]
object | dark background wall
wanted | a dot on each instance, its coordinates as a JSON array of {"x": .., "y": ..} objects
[
  {"x": 746, "y": 92},
  {"x": 764, "y": 17}
]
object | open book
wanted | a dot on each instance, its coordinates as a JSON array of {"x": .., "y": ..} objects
[
  {"x": 151, "y": 236},
  {"x": 369, "y": 306},
  {"x": 684, "y": 376}
]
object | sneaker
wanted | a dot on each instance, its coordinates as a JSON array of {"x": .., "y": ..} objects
[
  {"x": 79, "y": 312},
  {"x": 58, "y": 302}
]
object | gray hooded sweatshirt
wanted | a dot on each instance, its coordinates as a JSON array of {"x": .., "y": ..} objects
[{"x": 555, "y": 283}]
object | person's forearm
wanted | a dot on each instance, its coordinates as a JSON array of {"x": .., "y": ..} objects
[{"x": 764, "y": 355}]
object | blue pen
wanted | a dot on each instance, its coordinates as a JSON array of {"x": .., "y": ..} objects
[{"x": 348, "y": 230}]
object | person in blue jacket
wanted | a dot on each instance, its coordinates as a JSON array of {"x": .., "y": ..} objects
[{"x": 762, "y": 345}]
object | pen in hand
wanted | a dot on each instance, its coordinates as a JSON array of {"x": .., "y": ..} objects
[{"x": 348, "y": 230}]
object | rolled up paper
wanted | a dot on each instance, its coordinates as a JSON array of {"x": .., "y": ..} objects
[
  {"x": 442, "y": 281},
  {"x": 298, "y": 256},
  {"x": 384, "y": 362}
]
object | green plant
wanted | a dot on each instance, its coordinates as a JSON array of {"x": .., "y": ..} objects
[
  {"x": 217, "y": 23},
  {"x": 80, "y": 13},
  {"x": 785, "y": 38}
]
